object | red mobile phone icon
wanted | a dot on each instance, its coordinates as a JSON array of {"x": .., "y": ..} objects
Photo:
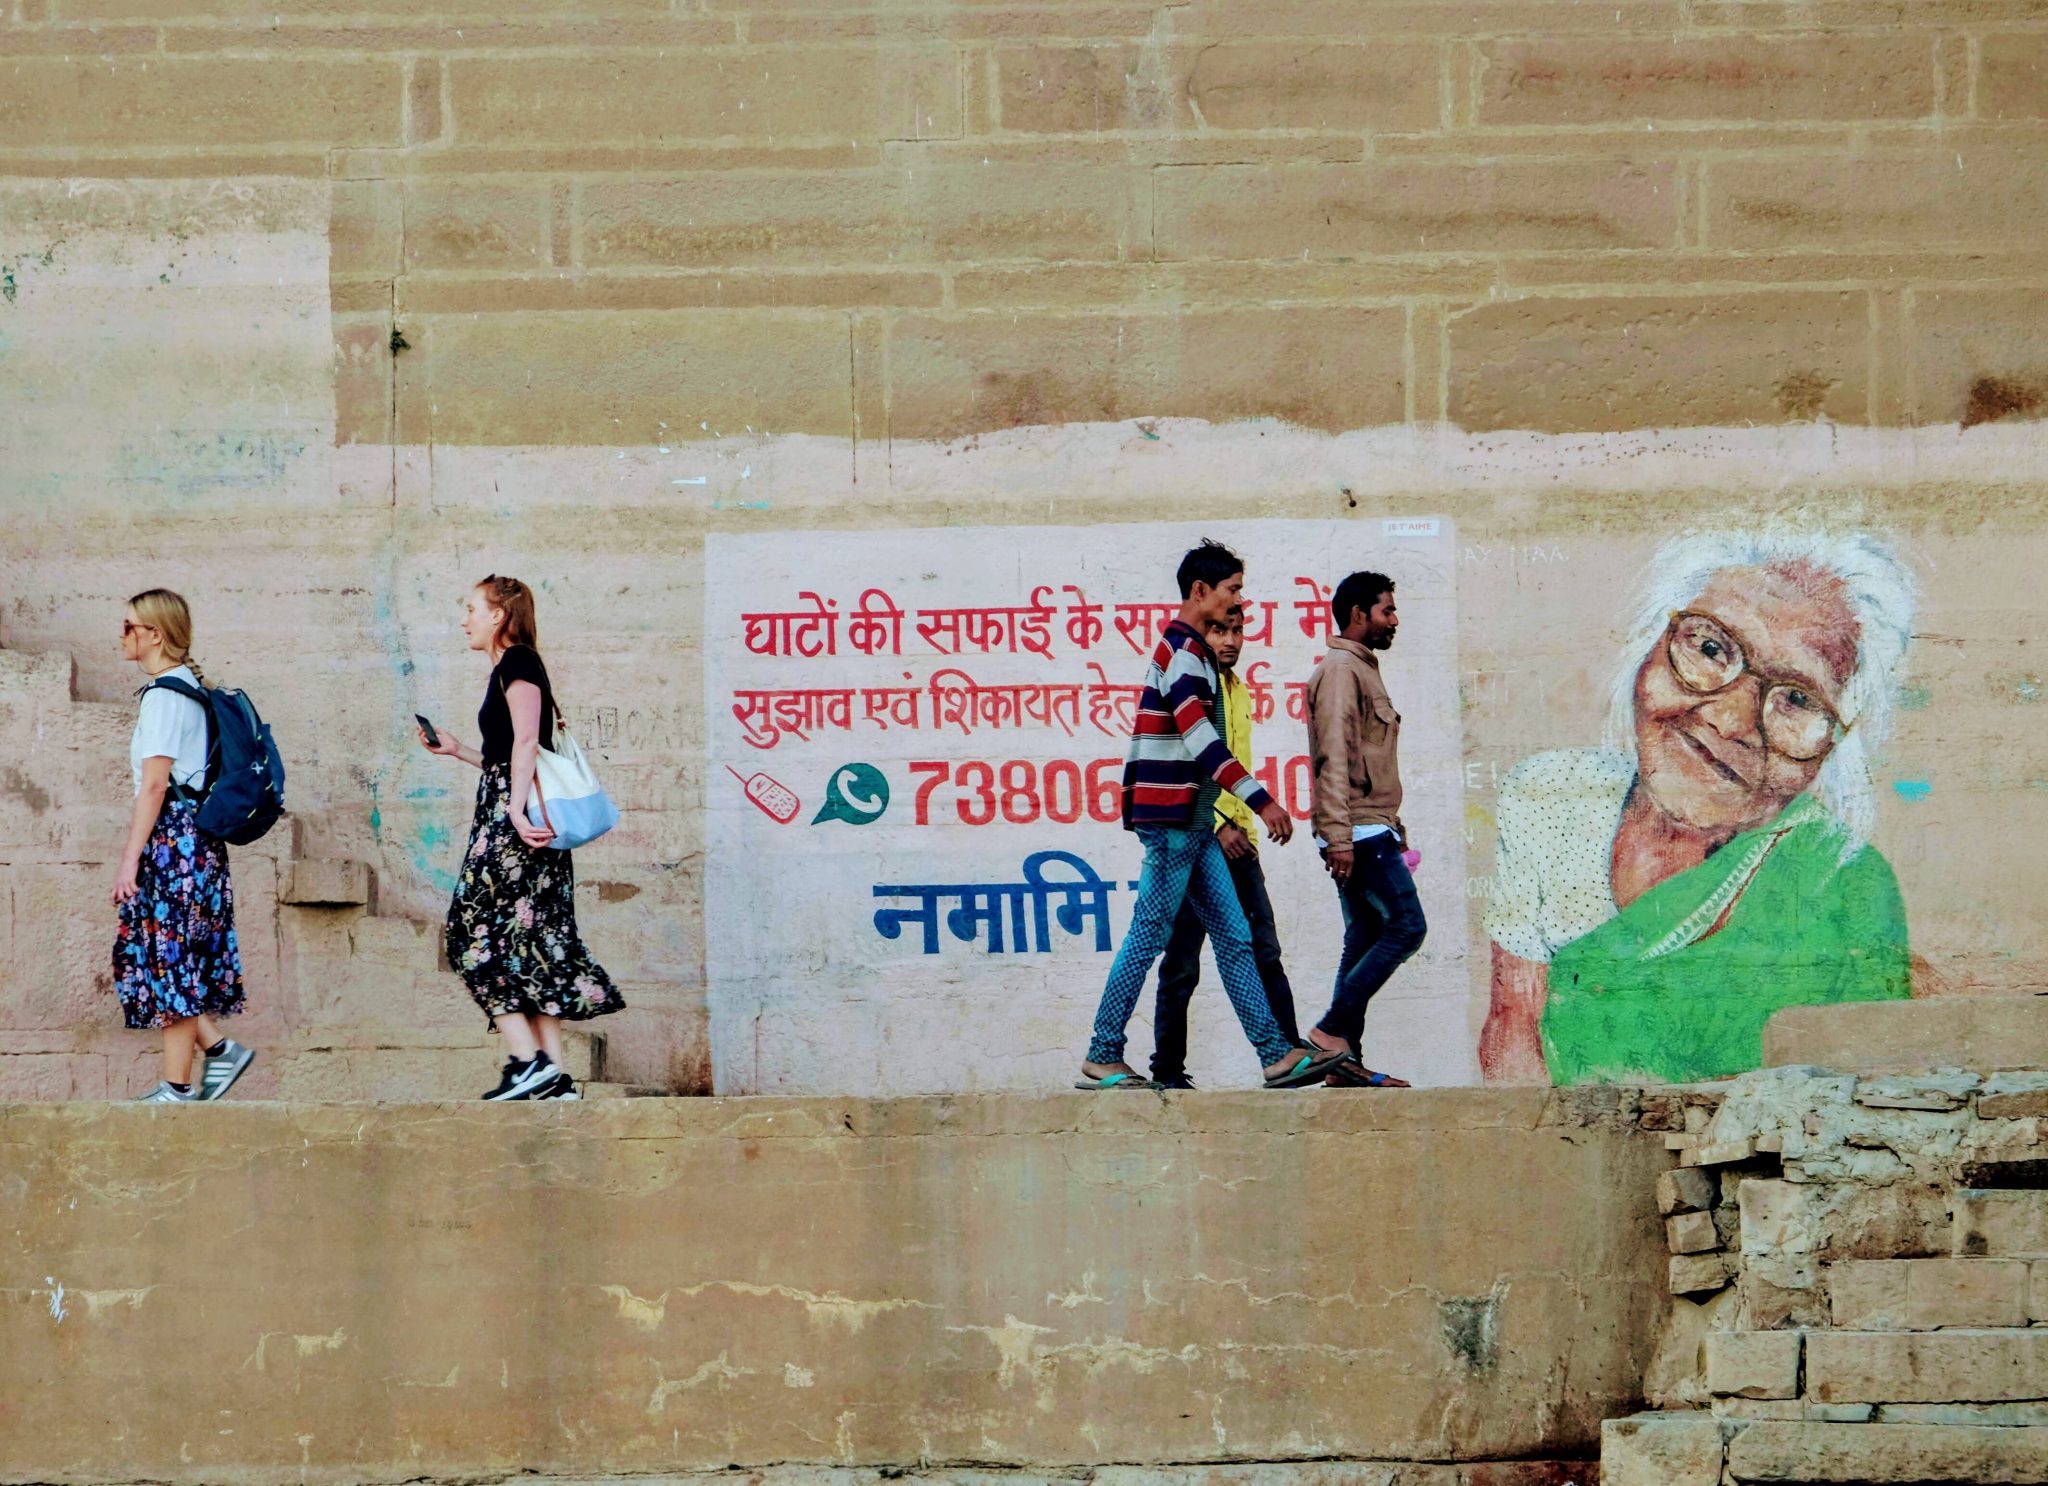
[{"x": 778, "y": 803}]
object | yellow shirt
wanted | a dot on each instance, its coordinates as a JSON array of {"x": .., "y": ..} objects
[{"x": 1237, "y": 736}]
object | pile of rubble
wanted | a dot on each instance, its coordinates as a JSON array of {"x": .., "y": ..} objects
[{"x": 1859, "y": 1268}]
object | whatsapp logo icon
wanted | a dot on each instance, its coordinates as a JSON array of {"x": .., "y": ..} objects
[{"x": 857, "y": 794}]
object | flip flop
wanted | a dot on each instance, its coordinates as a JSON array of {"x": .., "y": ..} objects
[
  {"x": 1114, "y": 1081},
  {"x": 1350, "y": 1073},
  {"x": 1308, "y": 1068}
]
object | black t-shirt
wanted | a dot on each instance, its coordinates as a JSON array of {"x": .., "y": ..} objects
[{"x": 494, "y": 718}]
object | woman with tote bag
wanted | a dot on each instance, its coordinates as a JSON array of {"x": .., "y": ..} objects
[{"x": 511, "y": 931}]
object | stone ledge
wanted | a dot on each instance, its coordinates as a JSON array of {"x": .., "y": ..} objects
[
  {"x": 1039, "y": 1283},
  {"x": 1984, "y": 1033},
  {"x": 1887, "y": 1454}
]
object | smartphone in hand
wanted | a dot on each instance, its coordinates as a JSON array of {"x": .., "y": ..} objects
[{"x": 433, "y": 738}]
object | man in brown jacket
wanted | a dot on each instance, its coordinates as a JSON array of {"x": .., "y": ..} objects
[{"x": 1354, "y": 737}]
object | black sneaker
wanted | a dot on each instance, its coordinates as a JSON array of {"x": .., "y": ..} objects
[
  {"x": 564, "y": 1087},
  {"x": 1173, "y": 1081},
  {"x": 522, "y": 1080}
]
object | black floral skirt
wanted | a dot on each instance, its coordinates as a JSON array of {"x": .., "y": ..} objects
[
  {"x": 512, "y": 926},
  {"x": 175, "y": 953}
]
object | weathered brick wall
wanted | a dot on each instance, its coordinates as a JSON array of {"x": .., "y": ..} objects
[{"x": 318, "y": 313}]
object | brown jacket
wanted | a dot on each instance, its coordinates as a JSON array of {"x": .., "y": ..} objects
[{"x": 1354, "y": 736}]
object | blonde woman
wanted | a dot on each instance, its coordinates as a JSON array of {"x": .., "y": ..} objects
[
  {"x": 176, "y": 963},
  {"x": 512, "y": 925}
]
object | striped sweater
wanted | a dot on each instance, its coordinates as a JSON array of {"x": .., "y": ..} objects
[{"x": 1178, "y": 763}]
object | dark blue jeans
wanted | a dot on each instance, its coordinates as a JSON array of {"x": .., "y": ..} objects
[
  {"x": 1383, "y": 926},
  {"x": 1182, "y": 969}
]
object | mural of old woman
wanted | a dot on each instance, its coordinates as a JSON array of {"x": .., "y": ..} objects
[{"x": 1655, "y": 900}]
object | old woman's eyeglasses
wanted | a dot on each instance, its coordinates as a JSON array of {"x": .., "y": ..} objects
[{"x": 1707, "y": 659}]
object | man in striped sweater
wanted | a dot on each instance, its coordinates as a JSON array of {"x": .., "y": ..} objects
[{"x": 1177, "y": 766}]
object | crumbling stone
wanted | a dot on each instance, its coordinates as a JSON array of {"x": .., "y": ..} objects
[
  {"x": 1931, "y": 1091},
  {"x": 2008, "y": 1096},
  {"x": 1694, "y": 1274},
  {"x": 1691, "y": 1233},
  {"x": 1685, "y": 1190}
]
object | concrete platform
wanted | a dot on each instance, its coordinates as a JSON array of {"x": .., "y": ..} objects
[{"x": 354, "y": 1293}]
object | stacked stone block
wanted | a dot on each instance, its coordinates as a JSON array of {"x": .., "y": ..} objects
[{"x": 1860, "y": 1276}]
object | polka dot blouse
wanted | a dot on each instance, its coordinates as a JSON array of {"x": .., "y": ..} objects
[{"x": 1553, "y": 877}]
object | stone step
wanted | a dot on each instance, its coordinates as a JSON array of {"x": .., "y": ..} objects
[
  {"x": 600, "y": 1090},
  {"x": 1928, "y": 1294},
  {"x": 404, "y": 943},
  {"x": 2001, "y": 1223},
  {"x": 406, "y": 1066},
  {"x": 1885, "y": 1454},
  {"x": 43, "y": 677},
  {"x": 1984, "y": 1033},
  {"x": 1957, "y": 1366},
  {"x": 326, "y": 882}
]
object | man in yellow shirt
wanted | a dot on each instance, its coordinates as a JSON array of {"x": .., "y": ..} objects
[{"x": 1237, "y": 832}]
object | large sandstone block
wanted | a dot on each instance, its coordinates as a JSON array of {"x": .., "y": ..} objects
[
  {"x": 1322, "y": 368},
  {"x": 1869, "y": 1455},
  {"x": 1868, "y": 1295},
  {"x": 60, "y": 970},
  {"x": 327, "y": 882},
  {"x": 1754, "y": 1364},
  {"x": 1561, "y": 365},
  {"x": 90, "y": 101},
  {"x": 1985, "y": 1033},
  {"x": 1058, "y": 88},
  {"x": 2012, "y": 76},
  {"x": 1965, "y": 1292},
  {"x": 2002, "y": 1224},
  {"x": 586, "y": 378},
  {"x": 1928, "y": 1294},
  {"x": 269, "y": 12},
  {"x": 1731, "y": 77},
  {"x": 1980, "y": 198},
  {"x": 500, "y": 223},
  {"x": 1691, "y": 1233},
  {"x": 1978, "y": 358},
  {"x": 787, "y": 94},
  {"x": 909, "y": 212},
  {"x": 1926, "y": 1367},
  {"x": 1671, "y": 1449},
  {"x": 1347, "y": 210}
]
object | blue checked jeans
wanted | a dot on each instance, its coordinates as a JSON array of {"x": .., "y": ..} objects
[{"x": 1185, "y": 866}]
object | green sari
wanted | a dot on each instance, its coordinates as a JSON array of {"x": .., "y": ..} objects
[{"x": 1652, "y": 994}]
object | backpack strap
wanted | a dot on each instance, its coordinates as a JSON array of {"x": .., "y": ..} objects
[{"x": 195, "y": 694}]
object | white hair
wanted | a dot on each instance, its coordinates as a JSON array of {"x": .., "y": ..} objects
[{"x": 1880, "y": 593}]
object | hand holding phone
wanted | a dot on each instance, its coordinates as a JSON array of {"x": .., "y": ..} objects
[{"x": 427, "y": 731}]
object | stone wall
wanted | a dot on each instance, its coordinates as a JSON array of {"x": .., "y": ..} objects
[
  {"x": 1860, "y": 1276},
  {"x": 317, "y": 314},
  {"x": 327, "y": 1294}
]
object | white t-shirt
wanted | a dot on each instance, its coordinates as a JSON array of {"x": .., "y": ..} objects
[
  {"x": 1553, "y": 874},
  {"x": 172, "y": 727}
]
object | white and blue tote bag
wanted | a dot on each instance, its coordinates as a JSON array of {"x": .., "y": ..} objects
[{"x": 566, "y": 797}]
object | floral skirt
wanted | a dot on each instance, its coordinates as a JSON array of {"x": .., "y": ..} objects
[
  {"x": 175, "y": 954},
  {"x": 512, "y": 926}
]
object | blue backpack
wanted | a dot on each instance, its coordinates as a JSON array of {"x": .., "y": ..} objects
[{"x": 244, "y": 792}]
